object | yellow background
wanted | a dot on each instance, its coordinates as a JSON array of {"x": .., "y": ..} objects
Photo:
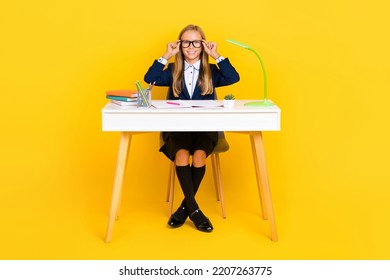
[{"x": 328, "y": 67}]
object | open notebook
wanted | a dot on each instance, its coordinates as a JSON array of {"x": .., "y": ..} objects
[{"x": 171, "y": 104}]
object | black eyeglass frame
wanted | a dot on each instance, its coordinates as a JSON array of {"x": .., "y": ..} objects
[{"x": 191, "y": 42}]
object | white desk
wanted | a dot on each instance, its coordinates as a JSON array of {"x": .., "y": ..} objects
[{"x": 250, "y": 120}]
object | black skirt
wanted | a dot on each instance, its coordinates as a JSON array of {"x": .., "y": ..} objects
[{"x": 191, "y": 141}]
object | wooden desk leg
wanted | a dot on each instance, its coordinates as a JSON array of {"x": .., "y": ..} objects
[
  {"x": 258, "y": 178},
  {"x": 123, "y": 152},
  {"x": 257, "y": 140}
]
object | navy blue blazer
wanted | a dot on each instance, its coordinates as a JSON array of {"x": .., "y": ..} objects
[{"x": 223, "y": 75}]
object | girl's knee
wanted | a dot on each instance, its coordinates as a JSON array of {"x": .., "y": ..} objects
[
  {"x": 182, "y": 157},
  {"x": 199, "y": 158}
]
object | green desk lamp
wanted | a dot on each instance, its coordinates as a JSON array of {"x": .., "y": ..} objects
[{"x": 265, "y": 101}]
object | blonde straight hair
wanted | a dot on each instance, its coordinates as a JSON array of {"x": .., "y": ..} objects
[{"x": 204, "y": 80}]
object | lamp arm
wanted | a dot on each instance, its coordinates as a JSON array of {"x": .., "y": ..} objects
[{"x": 264, "y": 74}]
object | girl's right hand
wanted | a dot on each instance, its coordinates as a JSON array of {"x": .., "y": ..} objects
[{"x": 172, "y": 49}]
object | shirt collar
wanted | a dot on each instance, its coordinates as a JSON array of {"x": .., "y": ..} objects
[{"x": 196, "y": 65}]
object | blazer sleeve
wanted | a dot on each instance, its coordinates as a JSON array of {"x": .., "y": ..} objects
[
  {"x": 158, "y": 75},
  {"x": 225, "y": 74}
]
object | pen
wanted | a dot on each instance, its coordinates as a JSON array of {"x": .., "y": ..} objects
[{"x": 173, "y": 103}]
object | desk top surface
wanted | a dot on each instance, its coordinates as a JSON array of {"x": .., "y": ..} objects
[
  {"x": 239, "y": 107},
  {"x": 239, "y": 118}
]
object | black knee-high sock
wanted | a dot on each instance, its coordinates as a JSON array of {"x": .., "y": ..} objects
[
  {"x": 197, "y": 177},
  {"x": 184, "y": 175}
]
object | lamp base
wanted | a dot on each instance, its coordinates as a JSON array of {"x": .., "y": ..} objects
[{"x": 263, "y": 103}]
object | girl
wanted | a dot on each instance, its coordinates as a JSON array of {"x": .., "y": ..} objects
[{"x": 191, "y": 77}]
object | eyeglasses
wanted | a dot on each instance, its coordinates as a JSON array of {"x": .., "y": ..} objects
[{"x": 196, "y": 43}]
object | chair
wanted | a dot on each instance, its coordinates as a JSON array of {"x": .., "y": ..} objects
[{"x": 221, "y": 146}]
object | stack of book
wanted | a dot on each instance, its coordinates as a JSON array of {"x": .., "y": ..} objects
[{"x": 123, "y": 97}]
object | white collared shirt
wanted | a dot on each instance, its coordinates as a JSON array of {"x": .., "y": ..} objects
[{"x": 191, "y": 74}]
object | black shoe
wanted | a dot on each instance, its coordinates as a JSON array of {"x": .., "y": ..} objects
[
  {"x": 174, "y": 223},
  {"x": 200, "y": 221},
  {"x": 178, "y": 218}
]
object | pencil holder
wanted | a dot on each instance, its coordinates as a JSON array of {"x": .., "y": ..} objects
[{"x": 144, "y": 98}]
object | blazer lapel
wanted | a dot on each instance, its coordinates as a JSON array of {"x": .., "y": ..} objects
[
  {"x": 185, "y": 92},
  {"x": 197, "y": 93}
]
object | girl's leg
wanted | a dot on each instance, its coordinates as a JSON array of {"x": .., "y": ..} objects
[
  {"x": 190, "y": 179},
  {"x": 201, "y": 222},
  {"x": 198, "y": 169},
  {"x": 184, "y": 174}
]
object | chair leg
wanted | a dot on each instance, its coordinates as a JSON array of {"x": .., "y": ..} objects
[
  {"x": 218, "y": 180},
  {"x": 170, "y": 181},
  {"x": 171, "y": 186},
  {"x": 215, "y": 177}
]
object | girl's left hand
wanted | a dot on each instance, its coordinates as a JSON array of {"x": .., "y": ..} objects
[{"x": 210, "y": 48}]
